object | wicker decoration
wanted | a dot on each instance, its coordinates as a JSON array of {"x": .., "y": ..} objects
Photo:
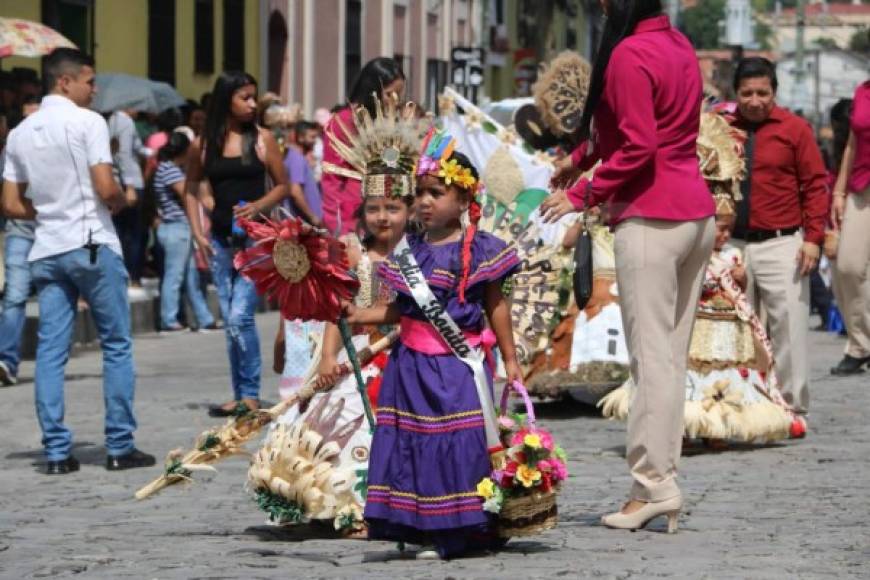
[
  {"x": 291, "y": 260},
  {"x": 561, "y": 90},
  {"x": 502, "y": 176},
  {"x": 298, "y": 467},
  {"x": 386, "y": 145},
  {"x": 720, "y": 157},
  {"x": 527, "y": 515}
]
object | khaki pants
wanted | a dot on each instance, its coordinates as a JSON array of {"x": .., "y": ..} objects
[
  {"x": 774, "y": 285},
  {"x": 852, "y": 273},
  {"x": 659, "y": 269}
]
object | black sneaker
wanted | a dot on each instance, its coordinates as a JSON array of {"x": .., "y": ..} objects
[
  {"x": 213, "y": 327},
  {"x": 850, "y": 366},
  {"x": 131, "y": 460},
  {"x": 62, "y": 467}
]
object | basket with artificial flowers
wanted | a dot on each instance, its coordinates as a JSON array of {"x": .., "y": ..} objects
[{"x": 523, "y": 491}]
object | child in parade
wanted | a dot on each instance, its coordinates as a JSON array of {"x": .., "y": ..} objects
[
  {"x": 383, "y": 221},
  {"x": 434, "y": 433},
  {"x": 332, "y": 428},
  {"x": 731, "y": 389}
]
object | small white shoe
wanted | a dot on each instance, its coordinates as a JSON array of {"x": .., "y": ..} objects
[{"x": 428, "y": 554}]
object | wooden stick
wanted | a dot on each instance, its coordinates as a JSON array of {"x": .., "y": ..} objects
[{"x": 239, "y": 430}]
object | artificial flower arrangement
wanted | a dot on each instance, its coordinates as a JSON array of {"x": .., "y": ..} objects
[{"x": 522, "y": 491}]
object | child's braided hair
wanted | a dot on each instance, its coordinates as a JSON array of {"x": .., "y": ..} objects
[{"x": 473, "y": 218}]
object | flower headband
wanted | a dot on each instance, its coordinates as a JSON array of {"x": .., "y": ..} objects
[{"x": 435, "y": 160}]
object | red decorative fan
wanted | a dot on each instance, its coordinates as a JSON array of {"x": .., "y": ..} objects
[{"x": 305, "y": 269}]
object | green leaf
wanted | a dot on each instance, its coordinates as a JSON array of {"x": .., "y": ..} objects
[
  {"x": 279, "y": 509},
  {"x": 211, "y": 440},
  {"x": 489, "y": 127}
]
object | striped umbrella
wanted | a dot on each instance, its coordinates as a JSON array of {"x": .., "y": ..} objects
[{"x": 26, "y": 38}]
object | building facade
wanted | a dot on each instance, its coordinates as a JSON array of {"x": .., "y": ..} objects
[
  {"x": 314, "y": 49},
  {"x": 823, "y": 23},
  {"x": 186, "y": 43},
  {"x": 829, "y": 75},
  {"x": 307, "y": 51}
]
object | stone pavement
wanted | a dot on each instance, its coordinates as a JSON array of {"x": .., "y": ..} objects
[{"x": 792, "y": 510}]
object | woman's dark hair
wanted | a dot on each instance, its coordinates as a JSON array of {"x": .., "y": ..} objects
[
  {"x": 840, "y": 113},
  {"x": 177, "y": 145},
  {"x": 375, "y": 75},
  {"x": 754, "y": 67},
  {"x": 622, "y": 18},
  {"x": 219, "y": 110},
  {"x": 168, "y": 120}
]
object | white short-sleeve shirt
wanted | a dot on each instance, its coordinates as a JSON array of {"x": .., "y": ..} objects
[{"x": 53, "y": 150}]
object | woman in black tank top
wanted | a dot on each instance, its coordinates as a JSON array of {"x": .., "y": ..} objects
[{"x": 235, "y": 156}]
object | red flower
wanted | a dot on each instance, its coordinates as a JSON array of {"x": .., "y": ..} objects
[
  {"x": 546, "y": 481},
  {"x": 744, "y": 372},
  {"x": 305, "y": 270}
]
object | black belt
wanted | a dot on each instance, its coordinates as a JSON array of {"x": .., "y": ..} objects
[{"x": 753, "y": 236}]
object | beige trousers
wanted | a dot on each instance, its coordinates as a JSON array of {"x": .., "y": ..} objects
[
  {"x": 852, "y": 273},
  {"x": 774, "y": 285},
  {"x": 659, "y": 269}
]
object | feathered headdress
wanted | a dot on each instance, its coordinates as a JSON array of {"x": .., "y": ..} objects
[
  {"x": 435, "y": 160},
  {"x": 560, "y": 92},
  {"x": 720, "y": 155},
  {"x": 382, "y": 150}
]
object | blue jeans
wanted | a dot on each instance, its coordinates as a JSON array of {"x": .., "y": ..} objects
[
  {"x": 238, "y": 301},
  {"x": 60, "y": 280},
  {"x": 14, "y": 300},
  {"x": 179, "y": 267}
]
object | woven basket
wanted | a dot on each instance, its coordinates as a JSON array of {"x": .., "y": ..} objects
[{"x": 526, "y": 515}]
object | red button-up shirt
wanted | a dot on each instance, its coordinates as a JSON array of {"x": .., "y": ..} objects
[
  {"x": 859, "y": 179},
  {"x": 788, "y": 186},
  {"x": 646, "y": 126}
]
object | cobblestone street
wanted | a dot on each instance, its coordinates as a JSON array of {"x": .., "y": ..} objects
[{"x": 791, "y": 510}]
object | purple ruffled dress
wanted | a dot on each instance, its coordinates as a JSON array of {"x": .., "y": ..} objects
[{"x": 429, "y": 449}]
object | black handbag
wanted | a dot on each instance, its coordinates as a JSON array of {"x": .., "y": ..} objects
[{"x": 582, "y": 279}]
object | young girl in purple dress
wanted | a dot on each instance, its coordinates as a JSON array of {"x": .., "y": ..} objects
[{"x": 430, "y": 447}]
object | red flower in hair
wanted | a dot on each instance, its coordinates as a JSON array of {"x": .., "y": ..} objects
[{"x": 304, "y": 269}]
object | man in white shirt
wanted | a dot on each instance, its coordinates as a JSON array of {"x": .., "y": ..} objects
[{"x": 58, "y": 171}]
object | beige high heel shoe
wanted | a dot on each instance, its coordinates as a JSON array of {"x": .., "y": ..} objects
[{"x": 646, "y": 514}]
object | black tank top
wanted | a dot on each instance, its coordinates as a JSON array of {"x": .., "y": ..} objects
[{"x": 232, "y": 182}]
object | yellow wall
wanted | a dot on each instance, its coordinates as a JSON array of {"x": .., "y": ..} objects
[
  {"x": 28, "y": 10},
  {"x": 121, "y": 38},
  {"x": 193, "y": 85}
]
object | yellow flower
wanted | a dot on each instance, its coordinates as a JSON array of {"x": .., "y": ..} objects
[
  {"x": 532, "y": 440},
  {"x": 451, "y": 171},
  {"x": 528, "y": 476},
  {"x": 486, "y": 488}
]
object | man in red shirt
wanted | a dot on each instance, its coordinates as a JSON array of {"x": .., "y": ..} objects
[{"x": 781, "y": 219}]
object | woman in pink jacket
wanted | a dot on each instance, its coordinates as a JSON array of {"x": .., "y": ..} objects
[
  {"x": 645, "y": 98},
  {"x": 380, "y": 77}
]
